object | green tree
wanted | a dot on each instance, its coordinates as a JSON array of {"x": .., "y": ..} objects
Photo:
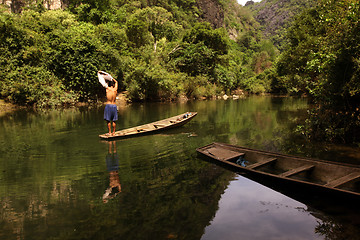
[
  {"x": 215, "y": 39},
  {"x": 94, "y": 11},
  {"x": 323, "y": 62},
  {"x": 200, "y": 50},
  {"x": 322, "y": 59},
  {"x": 76, "y": 57},
  {"x": 149, "y": 25}
]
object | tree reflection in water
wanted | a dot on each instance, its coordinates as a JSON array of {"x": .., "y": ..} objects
[{"x": 54, "y": 177}]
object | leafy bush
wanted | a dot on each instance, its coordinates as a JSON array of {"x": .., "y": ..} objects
[
  {"x": 198, "y": 87},
  {"x": 35, "y": 85}
]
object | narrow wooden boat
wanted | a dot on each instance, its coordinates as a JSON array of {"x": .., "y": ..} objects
[
  {"x": 318, "y": 175},
  {"x": 171, "y": 122}
]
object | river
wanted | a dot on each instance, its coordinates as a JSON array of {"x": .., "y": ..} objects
[{"x": 58, "y": 180}]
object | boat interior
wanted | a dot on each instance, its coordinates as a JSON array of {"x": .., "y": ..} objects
[{"x": 324, "y": 173}]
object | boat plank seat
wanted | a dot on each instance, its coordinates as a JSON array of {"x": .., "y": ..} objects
[
  {"x": 224, "y": 154},
  {"x": 260, "y": 164},
  {"x": 294, "y": 171},
  {"x": 342, "y": 180}
]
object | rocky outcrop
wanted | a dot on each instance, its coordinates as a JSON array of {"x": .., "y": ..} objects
[
  {"x": 53, "y": 4},
  {"x": 6, "y": 2},
  {"x": 212, "y": 12},
  {"x": 275, "y": 15},
  {"x": 249, "y": 3},
  {"x": 16, "y": 6}
]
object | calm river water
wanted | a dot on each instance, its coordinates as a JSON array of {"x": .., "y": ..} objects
[{"x": 58, "y": 180}]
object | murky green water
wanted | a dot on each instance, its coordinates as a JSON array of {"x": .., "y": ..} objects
[{"x": 58, "y": 180}]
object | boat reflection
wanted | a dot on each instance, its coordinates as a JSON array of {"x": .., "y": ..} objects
[
  {"x": 112, "y": 164},
  {"x": 248, "y": 199},
  {"x": 337, "y": 218}
]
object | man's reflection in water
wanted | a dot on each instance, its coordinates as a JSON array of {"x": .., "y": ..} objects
[{"x": 112, "y": 163}]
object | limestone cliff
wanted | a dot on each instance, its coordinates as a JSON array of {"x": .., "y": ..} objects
[
  {"x": 17, "y": 5},
  {"x": 212, "y": 12},
  {"x": 229, "y": 14},
  {"x": 275, "y": 15}
]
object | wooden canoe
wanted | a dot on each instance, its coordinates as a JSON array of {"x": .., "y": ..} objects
[
  {"x": 171, "y": 122},
  {"x": 333, "y": 177}
]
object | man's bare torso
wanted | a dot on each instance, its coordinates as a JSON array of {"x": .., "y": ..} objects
[{"x": 111, "y": 93}]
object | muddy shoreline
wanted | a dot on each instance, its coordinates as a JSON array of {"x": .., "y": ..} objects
[{"x": 6, "y": 107}]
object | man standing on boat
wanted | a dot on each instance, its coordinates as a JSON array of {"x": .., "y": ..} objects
[{"x": 110, "y": 112}]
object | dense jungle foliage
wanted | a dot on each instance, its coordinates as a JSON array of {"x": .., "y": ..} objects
[
  {"x": 157, "y": 50},
  {"x": 323, "y": 61},
  {"x": 161, "y": 50}
]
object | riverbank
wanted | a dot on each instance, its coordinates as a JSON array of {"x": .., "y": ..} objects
[
  {"x": 122, "y": 100},
  {"x": 6, "y": 107}
]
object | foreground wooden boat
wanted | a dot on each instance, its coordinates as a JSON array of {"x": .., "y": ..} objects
[
  {"x": 318, "y": 175},
  {"x": 171, "y": 122}
]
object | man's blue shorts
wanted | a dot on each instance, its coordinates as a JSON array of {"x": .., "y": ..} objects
[
  {"x": 110, "y": 112},
  {"x": 112, "y": 162}
]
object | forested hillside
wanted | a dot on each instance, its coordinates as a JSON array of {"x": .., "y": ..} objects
[
  {"x": 157, "y": 50},
  {"x": 275, "y": 16},
  {"x": 161, "y": 50}
]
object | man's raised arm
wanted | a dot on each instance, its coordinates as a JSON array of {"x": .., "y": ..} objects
[{"x": 116, "y": 84}]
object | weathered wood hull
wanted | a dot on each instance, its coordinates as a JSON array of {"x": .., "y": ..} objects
[
  {"x": 318, "y": 175},
  {"x": 153, "y": 127}
]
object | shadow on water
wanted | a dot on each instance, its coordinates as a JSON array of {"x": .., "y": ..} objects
[
  {"x": 59, "y": 181},
  {"x": 337, "y": 218}
]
